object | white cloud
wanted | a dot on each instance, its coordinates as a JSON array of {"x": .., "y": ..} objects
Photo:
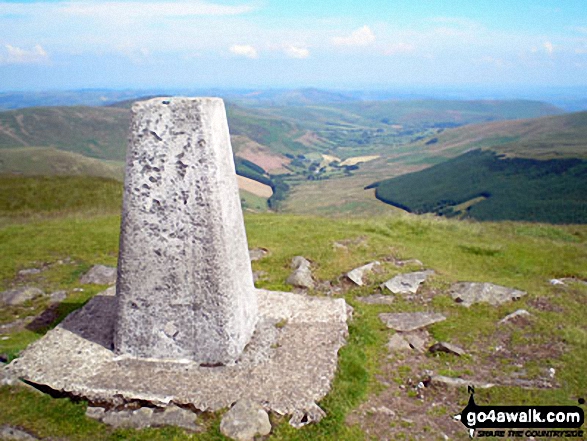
[
  {"x": 548, "y": 47},
  {"x": 244, "y": 50},
  {"x": 399, "y": 48},
  {"x": 297, "y": 52},
  {"x": 360, "y": 37},
  {"x": 17, "y": 55}
]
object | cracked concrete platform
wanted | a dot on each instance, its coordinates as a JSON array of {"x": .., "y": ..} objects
[{"x": 287, "y": 367}]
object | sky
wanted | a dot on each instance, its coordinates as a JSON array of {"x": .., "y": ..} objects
[{"x": 342, "y": 44}]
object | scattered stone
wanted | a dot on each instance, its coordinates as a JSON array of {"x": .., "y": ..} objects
[
  {"x": 9, "y": 433},
  {"x": 468, "y": 293},
  {"x": 407, "y": 283},
  {"x": 410, "y": 321},
  {"x": 356, "y": 275},
  {"x": 384, "y": 410},
  {"x": 312, "y": 414},
  {"x": 57, "y": 296},
  {"x": 402, "y": 263},
  {"x": 259, "y": 275},
  {"x": 257, "y": 253},
  {"x": 145, "y": 417},
  {"x": 29, "y": 271},
  {"x": 515, "y": 317},
  {"x": 376, "y": 299},
  {"x": 397, "y": 343},
  {"x": 556, "y": 282},
  {"x": 99, "y": 275},
  {"x": 458, "y": 382},
  {"x": 339, "y": 246},
  {"x": 3, "y": 358},
  {"x": 18, "y": 296},
  {"x": 302, "y": 274},
  {"x": 447, "y": 348},
  {"x": 244, "y": 421},
  {"x": 416, "y": 341}
]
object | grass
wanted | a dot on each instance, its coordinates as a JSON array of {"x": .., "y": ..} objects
[{"x": 65, "y": 243}]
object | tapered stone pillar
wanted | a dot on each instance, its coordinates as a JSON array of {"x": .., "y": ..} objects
[{"x": 185, "y": 288}]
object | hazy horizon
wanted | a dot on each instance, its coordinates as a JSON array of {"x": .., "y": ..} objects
[{"x": 145, "y": 44}]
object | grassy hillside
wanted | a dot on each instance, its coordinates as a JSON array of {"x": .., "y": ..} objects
[
  {"x": 49, "y": 161},
  {"x": 96, "y": 132},
  {"x": 492, "y": 187},
  {"x": 561, "y": 136},
  {"x": 66, "y": 244}
]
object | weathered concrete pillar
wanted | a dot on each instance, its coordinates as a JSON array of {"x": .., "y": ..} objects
[{"x": 185, "y": 286}]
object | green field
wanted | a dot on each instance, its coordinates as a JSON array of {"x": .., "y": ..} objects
[{"x": 66, "y": 237}]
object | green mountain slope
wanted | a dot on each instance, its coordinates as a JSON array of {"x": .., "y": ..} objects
[
  {"x": 48, "y": 161},
  {"x": 482, "y": 185}
]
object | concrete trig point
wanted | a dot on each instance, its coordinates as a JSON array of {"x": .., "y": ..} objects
[
  {"x": 187, "y": 326},
  {"x": 185, "y": 285}
]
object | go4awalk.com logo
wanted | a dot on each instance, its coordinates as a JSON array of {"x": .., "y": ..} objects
[{"x": 522, "y": 421}]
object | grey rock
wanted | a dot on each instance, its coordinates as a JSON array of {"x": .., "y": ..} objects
[
  {"x": 18, "y": 296},
  {"x": 257, "y": 253},
  {"x": 259, "y": 275},
  {"x": 144, "y": 417},
  {"x": 383, "y": 410},
  {"x": 407, "y": 283},
  {"x": 356, "y": 275},
  {"x": 244, "y": 421},
  {"x": 556, "y": 282},
  {"x": 410, "y": 321},
  {"x": 376, "y": 299},
  {"x": 402, "y": 263},
  {"x": 397, "y": 344},
  {"x": 57, "y": 296},
  {"x": 447, "y": 348},
  {"x": 468, "y": 293},
  {"x": 9, "y": 433},
  {"x": 302, "y": 274},
  {"x": 99, "y": 275},
  {"x": 29, "y": 271},
  {"x": 515, "y": 316},
  {"x": 458, "y": 382},
  {"x": 416, "y": 341},
  {"x": 311, "y": 414},
  {"x": 184, "y": 259}
]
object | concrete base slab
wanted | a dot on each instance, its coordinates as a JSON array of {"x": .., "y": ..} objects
[{"x": 287, "y": 367}]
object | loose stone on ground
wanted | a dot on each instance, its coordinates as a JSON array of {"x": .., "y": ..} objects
[
  {"x": 146, "y": 417},
  {"x": 99, "y": 275},
  {"x": 447, "y": 348},
  {"x": 376, "y": 299},
  {"x": 469, "y": 293},
  {"x": 18, "y": 296},
  {"x": 407, "y": 283},
  {"x": 520, "y": 315},
  {"x": 244, "y": 421},
  {"x": 410, "y": 321},
  {"x": 301, "y": 276},
  {"x": 356, "y": 275}
]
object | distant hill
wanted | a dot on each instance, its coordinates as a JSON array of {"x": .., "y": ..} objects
[
  {"x": 96, "y": 132},
  {"x": 534, "y": 169},
  {"x": 560, "y": 136},
  {"x": 48, "y": 161}
]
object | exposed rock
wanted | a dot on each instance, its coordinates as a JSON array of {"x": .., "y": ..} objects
[
  {"x": 447, "y": 348},
  {"x": 312, "y": 414},
  {"x": 416, "y": 340},
  {"x": 3, "y": 358},
  {"x": 383, "y": 410},
  {"x": 9, "y": 433},
  {"x": 356, "y": 275},
  {"x": 244, "y": 421},
  {"x": 468, "y": 293},
  {"x": 401, "y": 263},
  {"x": 407, "y": 283},
  {"x": 397, "y": 343},
  {"x": 516, "y": 316},
  {"x": 556, "y": 282},
  {"x": 458, "y": 382},
  {"x": 18, "y": 296},
  {"x": 302, "y": 274},
  {"x": 376, "y": 299},
  {"x": 145, "y": 417},
  {"x": 410, "y": 321},
  {"x": 29, "y": 271},
  {"x": 99, "y": 275},
  {"x": 257, "y": 253},
  {"x": 57, "y": 296}
]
